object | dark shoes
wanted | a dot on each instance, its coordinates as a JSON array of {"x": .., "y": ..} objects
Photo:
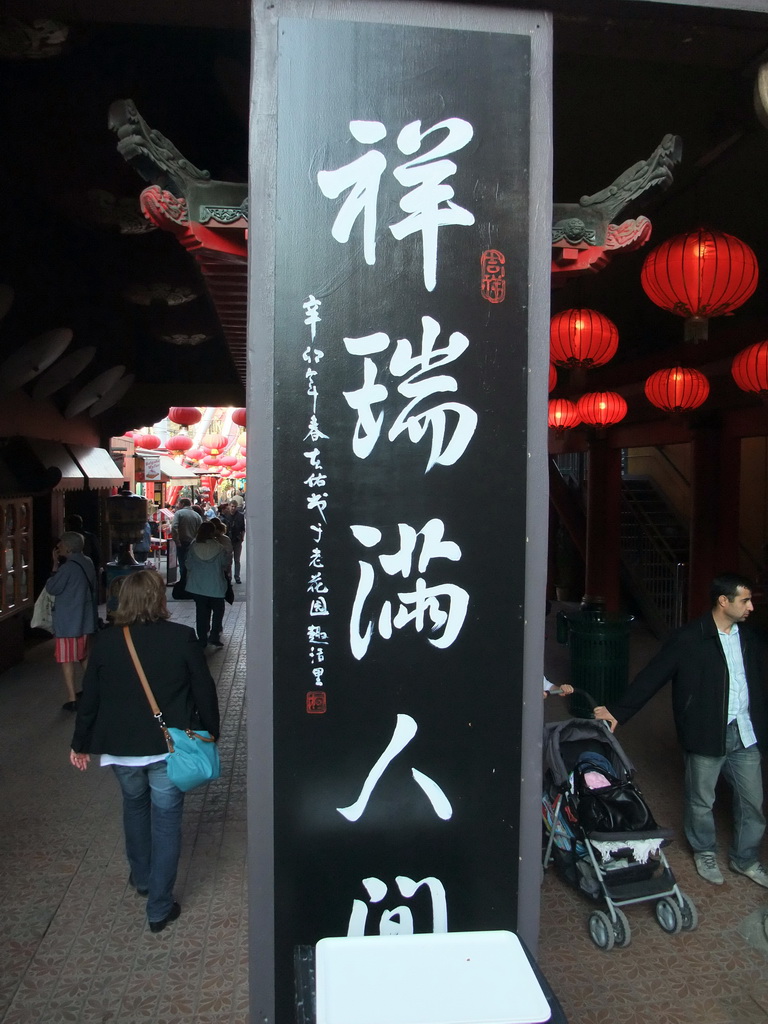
[
  {"x": 173, "y": 913},
  {"x": 238, "y": 580},
  {"x": 70, "y": 705},
  {"x": 141, "y": 892},
  {"x": 215, "y": 643}
]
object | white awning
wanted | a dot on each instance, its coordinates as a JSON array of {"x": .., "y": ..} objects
[
  {"x": 54, "y": 454},
  {"x": 97, "y": 466},
  {"x": 171, "y": 470}
]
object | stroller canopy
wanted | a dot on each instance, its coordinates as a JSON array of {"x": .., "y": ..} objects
[{"x": 565, "y": 741}]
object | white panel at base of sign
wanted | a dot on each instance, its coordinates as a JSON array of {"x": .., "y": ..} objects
[{"x": 449, "y": 978}]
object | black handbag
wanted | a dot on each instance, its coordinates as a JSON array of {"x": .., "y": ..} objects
[{"x": 615, "y": 808}]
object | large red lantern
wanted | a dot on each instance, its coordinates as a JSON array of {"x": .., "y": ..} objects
[
  {"x": 184, "y": 415},
  {"x": 227, "y": 460},
  {"x": 563, "y": 414},
  {"x": 148, "y": 441},
  {"x": 677, "y": 389},
  {"x": 699, "y": 275},
  {"x": 179, "y": 443},
  {"x": 750, "y": 369},
  {"x": 552, "y": 377},
  {"x": 582, "y": 337},
  {"x": 238, "y": 417},
  {"x": 195, "y": 453},
  {"x": 214, "y": 444},
  {"x": 601, "y": 408},
  {"x": 211, "y": 460}
]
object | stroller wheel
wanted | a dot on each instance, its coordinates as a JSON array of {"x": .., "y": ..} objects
[
  {"x": 621, "y": 932},
  {"x": 669, "y": 915},
  {"x": 689, "y": 912},
  {"x": 601, "y": 930}
]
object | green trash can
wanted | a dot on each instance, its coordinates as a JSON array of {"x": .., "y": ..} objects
[{"x": 599, "y": 643}]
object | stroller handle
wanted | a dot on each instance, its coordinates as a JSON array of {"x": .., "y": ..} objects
[{"x": 587, "y": 697}]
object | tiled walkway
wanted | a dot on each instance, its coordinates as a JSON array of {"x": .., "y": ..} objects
[
  {"x": 75, "y": 947},
  {"x": 75, "y": 942}
]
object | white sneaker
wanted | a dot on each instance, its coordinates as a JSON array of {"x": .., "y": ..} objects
[
  {"x": 755, "y": 871},
  {"x": 706, "y": 865}
]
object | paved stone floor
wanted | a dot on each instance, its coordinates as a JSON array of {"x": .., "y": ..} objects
[
  {"x": 74, "y": 941},
  {"x": 75, "y": 946}
]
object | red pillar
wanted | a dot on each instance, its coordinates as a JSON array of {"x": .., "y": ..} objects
[
  {"x": 603, "y": 525},
  {"x": 714, "y": 539}
]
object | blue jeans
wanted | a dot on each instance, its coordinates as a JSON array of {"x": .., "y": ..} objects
[
  {"x": 740, "y": 766},
  {"x": 152, "y": 809}
]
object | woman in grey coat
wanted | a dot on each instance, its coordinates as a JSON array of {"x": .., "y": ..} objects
[
  {"x": 207, "y": 578},
  {"x": 74, "y": 586}
]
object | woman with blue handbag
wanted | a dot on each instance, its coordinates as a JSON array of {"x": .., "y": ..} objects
[{"x": 115, "y": 720}]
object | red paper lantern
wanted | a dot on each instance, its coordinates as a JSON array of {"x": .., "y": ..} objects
[
  {"x": 148, "y": 441},
  {"x": 227, "y": 460},
  {"x": 225, "y": 471},
  {"x": 239, "y": 465},
  {"x": 184, "y": 415},
  {"x": 698, "y": 275},
  {"x": 242, "y": 439},
  {"x": 677, "y": 389},
  {"x": 214, "y": 444},
  {"x": 179, "y": 443},
  {"x": 582, "y": 337},
  {"x": 750, "y": 368},
  {"x": 552, "y": 377},
  {"x": 563, "y": 414},
  {"x": 238, "y": 417},
  {"x": 601, "y": 408},
  {"x": 210, "y": 460},
  {"x": 195, "y": 453}
]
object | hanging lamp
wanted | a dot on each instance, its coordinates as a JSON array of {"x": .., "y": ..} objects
[
  {"x": 677, "y": 389},
  {"x": 563, "y": 414},
  {"x": 601, "y": 408},
  {"x": 698, "y": 275},
  {"x": 750, "y": 369},
  {"x": 184, "y": 415},
  {"x": 582, "y": 338}
]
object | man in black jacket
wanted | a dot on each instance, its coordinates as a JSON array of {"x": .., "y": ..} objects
[
  {"x": 718, "y": 674},
  {"x": 235, "y": 522}
]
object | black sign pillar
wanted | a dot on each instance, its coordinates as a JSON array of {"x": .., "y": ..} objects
[{"x": 399, "y": 253}]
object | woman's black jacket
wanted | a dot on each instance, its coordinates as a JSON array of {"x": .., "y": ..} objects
[{"x": 113, "y": 714}]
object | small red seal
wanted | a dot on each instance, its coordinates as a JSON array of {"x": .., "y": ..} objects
[
  {"x": 316, "y": 702},
  {"x": 493, "y": 284}
]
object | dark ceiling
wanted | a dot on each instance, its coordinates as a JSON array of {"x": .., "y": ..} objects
[{"x": 625, "y": 74}]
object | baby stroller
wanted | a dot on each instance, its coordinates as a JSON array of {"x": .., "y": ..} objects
[{"x": 601, "y": 834}]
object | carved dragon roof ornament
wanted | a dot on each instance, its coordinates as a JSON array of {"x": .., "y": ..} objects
[
  {"x": 209, "y": 218},
  {"x": 584, "y": 234}
]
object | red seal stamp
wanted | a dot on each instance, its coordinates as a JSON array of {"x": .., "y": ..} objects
[
  {"x": 493, "y": 283},
  {"x": 317, "y": 702}
]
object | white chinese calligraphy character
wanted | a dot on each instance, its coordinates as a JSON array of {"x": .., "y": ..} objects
[
  {"x": 314, "y": 431},
  {"x": 318, "y": 606},
  {"x": 399, "y": 920},
  {"x": 311, "y": 307},
  {"x": 405, "y": 730},
  {"x": 362, "y": 177},
  {"x": 425, "y": 175},
  {"x": 315, "y": 635},
  {"x": 422, "y": 600},
  {"x": 417, "y": 388}
]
